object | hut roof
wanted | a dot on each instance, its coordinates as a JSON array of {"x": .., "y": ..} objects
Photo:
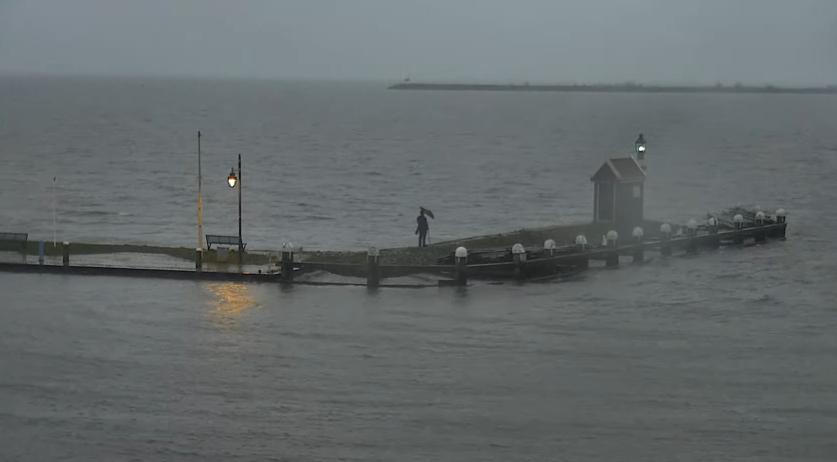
[{"x": 622, "y": 169}]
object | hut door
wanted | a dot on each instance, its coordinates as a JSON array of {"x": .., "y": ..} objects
[{"x": 605, "y": 197}]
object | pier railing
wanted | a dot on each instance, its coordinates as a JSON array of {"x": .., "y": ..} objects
[{"x": 548, "y": 262}]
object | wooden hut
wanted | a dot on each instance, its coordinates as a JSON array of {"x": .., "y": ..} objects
[{"x": 619, "y": 194}]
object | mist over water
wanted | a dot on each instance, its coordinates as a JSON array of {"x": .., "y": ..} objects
[{"x": 725, "y": 356}]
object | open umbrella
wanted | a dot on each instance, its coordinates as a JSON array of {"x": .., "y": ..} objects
[{"x": 428, "y": 212}]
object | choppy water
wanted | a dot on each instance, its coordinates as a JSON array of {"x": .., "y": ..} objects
[{"x": 725, "y": 356}]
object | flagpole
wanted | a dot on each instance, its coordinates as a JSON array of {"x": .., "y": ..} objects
[
  {"x": 54, "y": 200},
  {"x": 200, "y": 197}
]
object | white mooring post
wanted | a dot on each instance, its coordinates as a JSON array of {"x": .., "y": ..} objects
[
  {"x": 639, "y": 250},
  {"x": 612, "y": 243},
  {"x": 760, "y": 235},
  {"x": 519, "y": 258},
  {"x": 692, "y": 228},
  {"x": 582, "y": 247},
  {"x": 712, "y": 224},
  {"x": 738, "y": 221},
  {"x": 549, "y": 247},
  {"x": 665, "y": 235},
  {"x": 461, "y": 269},
  {"x": 781, "y": 218}
]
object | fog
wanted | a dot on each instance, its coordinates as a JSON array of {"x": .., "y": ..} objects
[{"x": 665, "y": 41}]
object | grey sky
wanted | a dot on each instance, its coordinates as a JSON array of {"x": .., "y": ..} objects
[{"x": 779, "y": 41}]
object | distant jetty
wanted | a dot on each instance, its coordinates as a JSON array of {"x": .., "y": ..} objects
[{"x": 618, "y": 88}]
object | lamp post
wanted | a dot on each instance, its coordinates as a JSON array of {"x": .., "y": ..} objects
[
  {"x": 236, "y": 180},
  {"x": 639, "y": 146}
]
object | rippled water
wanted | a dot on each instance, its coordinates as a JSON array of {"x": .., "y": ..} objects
[{"x": 725, "y": 356}]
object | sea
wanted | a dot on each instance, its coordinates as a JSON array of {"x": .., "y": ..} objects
[{"x": 729, "y": 355}]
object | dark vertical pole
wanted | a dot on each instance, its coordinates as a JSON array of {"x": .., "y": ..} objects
[
  {"x": 240, "y": 187},
  {"x": 287, "y": 264},
  {"x": 200, "y": 196},
  {"x": 373, "y": 274},
  {"x": 65, "y": 254}
]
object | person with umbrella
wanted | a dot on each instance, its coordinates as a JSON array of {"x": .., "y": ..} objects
[{"x": 423, "y": 227}]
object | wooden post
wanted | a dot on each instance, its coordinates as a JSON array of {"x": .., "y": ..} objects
[
  {"x": 612, "y": 243},
  {"x": 65, "y": 254},
  {"x": 461, "y": 269},
  {"x": 639, "y": 250},
  {"x": 665, "y": 245},
  {"x": 373, "y": 271},
  {"x": 287, "y": 263},
  {"x": 198, "y": 259},
  {"x": 519, "y": 258}
]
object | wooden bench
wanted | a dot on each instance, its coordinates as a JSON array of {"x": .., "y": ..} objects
[
  {"x": 20, "y": 238},
  {"x": 222, "y": 240}
]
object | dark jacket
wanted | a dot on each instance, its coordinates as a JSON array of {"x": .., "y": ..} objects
[{"x": 422, "y": 227}]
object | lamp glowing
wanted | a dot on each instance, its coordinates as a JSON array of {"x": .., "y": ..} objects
[
  {"x": 640, "y": 144},
  {"x": 232, "y": 180}
]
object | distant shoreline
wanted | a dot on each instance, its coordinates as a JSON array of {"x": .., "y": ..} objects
[{"x": 618, "y": 88}]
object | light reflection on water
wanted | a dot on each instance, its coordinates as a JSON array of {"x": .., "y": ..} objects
[{"x": 230, "y": 301}]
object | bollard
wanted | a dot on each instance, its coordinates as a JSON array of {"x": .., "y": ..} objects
[
  {"x": 781, "y": 218},
  {"x": 287, "y": 262},
  {"x": 519, "y": 258},
  {"x": 65, "y": 254},
  {"x": 581, "y": 245},
  {"x": 639, "y": 249},
  {"x": 712, "y": 224},
  {"x": 692, "y": 227},
  {"x": 461, "y": 269},
  {"x": 198, "y": 259},
  {"x": 612, "y": 242},
  {"x": 41, "y": 252},
  {"x": 738, "y": 221},
  {"x": 373, "y": 271},
  {"x": 665, "y": 244},
  {"x": 760, "y": 235},
  {"x": 549, "y": 246}
]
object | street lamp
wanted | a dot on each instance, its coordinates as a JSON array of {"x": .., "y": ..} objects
[
  {"x": 234, "y": 180},
  {"x": 639, "y": 145}
]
